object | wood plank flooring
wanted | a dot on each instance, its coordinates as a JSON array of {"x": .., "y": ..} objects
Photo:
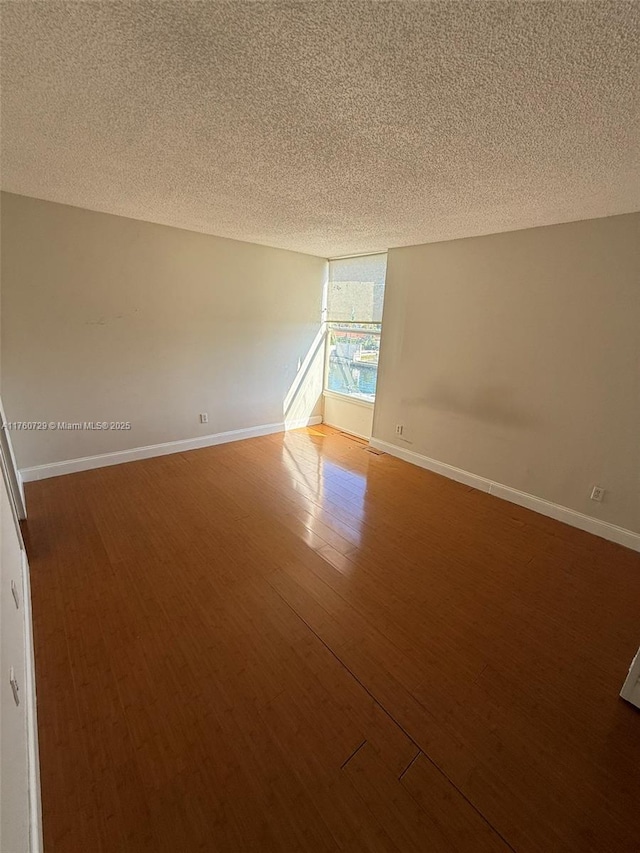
[{"x": 292, "y": 644}]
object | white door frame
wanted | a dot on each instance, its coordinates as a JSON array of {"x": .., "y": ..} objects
[
  {"x": 10, "y": 468},
  {"x": 631, "y": 688}
]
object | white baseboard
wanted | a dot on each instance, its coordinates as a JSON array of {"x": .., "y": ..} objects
[
  {"x": 86, "y": 463},
  {"x": 348, "y": 431},
  {"x": 561, "y": 513}
]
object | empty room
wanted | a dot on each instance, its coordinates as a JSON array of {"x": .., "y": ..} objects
[{"x": 320, "y": 446}]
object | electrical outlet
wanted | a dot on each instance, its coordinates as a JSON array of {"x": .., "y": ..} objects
[
  {"x": 399, "y": 429},
  {"x": 204, "y": 418},
  {"x": 597, "y": 494}
]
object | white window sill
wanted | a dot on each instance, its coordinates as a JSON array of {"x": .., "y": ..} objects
[{"x": 347, "y": 398}]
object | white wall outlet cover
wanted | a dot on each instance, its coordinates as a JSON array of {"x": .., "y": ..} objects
[
  {"x": 597, "y": 493},
  {"x": 204, "y": 418}
]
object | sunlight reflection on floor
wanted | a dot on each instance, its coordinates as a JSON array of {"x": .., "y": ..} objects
[{"x": 334, "y": 499}]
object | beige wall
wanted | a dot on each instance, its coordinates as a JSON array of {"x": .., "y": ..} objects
[
  {"x": 111, "y": 319},
  {"x": 516, "y": 357},
  {"x": 349, "y": 415}
]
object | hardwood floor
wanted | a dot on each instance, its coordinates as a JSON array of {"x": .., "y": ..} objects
[{"x": 293, "y": 644}]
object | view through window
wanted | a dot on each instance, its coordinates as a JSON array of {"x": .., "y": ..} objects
[{"x": 354, "y": 321}]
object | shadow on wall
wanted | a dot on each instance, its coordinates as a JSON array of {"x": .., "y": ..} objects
[
  {"x": 494, "y": 404},
  {"x": 302, "y": 398}
]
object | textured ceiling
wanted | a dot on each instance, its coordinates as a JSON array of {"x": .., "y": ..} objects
[{"x": 325, "y": 127}]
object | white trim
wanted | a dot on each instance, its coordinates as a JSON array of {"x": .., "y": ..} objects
[
  {"x": 561, "y": 513},
  {"x": 15, "y": 485},
  {"x": 347, "y": 431},
  {"x": 21, "y": 488},
  {"x": 631, "y": 688},
  {"x": 358, "y": 255},
  {"x": 86, "y": 463},
  {"x": 432, "y": 465},
  {"x": 347, "y": 398},
  {"x": 33, "y": 758}
]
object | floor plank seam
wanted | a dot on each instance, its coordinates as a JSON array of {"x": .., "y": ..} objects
[
  {"x": 180, "y": 566},
  {"x": 402, "y": 729},
  {"x": 353, "y": 754},
  {"x": 410, "y": 764},
  {"x": 471, "y": 803}
]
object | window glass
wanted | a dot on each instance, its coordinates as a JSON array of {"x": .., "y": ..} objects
[
  {"x": 352, "y": 360},
  {"x": 356, "y": 289},
  {"x": 355, "y": 295}
]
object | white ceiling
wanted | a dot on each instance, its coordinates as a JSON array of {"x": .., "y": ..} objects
[{"x": 325, "y": 127}]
